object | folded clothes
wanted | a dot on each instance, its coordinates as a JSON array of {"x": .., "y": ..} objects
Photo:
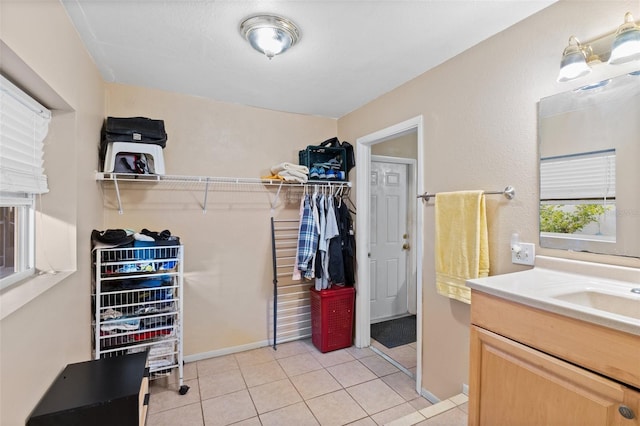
[
  {"x": 127, "y": 324},
  {"x": 110, "y": 314},
  {"x": 289, "y": 166},
  {"x": 293, "y": 176},
  {"x": 272, "y": 177},
  {"x": 142, "y": 237},
  {"x": 151, "y": 334},
  {"x": 136, "y": 267},
  {"x": 288, "y": 176},
  {"x": 162, "y": 349},
  {"x": 156, "y": 322},
  {"x": 155, "y": 364}
]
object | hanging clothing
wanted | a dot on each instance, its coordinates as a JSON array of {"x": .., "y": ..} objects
[
  {"x": 326, "y": 244},
  {"x": 345, "y": 224},
  {"x": 310, "y": 273},
  {"x": 307, "y": 239},
  {"x": 321, "y": 278},
  {"x": 330, "y": 231},
  {"x": 335, "y": 262},
  {"x": 296, "y": 271}
]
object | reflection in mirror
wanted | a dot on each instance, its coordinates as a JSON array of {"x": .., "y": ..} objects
[
  {"x": 589, "y": 175},
  {"x": 577, "y": 196}
]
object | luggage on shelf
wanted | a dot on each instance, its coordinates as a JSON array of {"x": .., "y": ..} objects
[{"x": 135, "y": 130}]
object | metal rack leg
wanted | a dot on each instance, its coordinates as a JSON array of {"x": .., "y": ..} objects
[{"x": 275, "y": 284}]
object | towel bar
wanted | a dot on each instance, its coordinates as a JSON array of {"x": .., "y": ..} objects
[{"x": 509, "y": 192}]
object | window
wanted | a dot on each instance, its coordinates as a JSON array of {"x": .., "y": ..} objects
[
  {"x": 23, "y": 127},
  {"x": 577, "y": 194}
]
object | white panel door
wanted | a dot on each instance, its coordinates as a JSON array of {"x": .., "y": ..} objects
[{"x": 388, "y": 240}]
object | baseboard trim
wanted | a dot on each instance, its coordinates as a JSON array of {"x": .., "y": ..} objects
[
  {"x": 225, "y": 351},
  {"x": 429, "y": 396}
]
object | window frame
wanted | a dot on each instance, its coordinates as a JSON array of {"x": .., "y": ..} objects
[
  {"x": 24, "y": 242},
  {"x": 24, "y": 126}
]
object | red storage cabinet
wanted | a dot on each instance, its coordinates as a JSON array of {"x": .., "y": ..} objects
[{"x": 332, "y": 318}]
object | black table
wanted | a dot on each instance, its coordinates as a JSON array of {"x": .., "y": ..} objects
[{"x": 108, "y": 391}]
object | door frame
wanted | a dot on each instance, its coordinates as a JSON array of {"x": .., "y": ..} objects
[
  {"x": 363, "y": 175},
  {"x": 411, "y": 219}
]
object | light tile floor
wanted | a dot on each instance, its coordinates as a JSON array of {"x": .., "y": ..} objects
[
  {"x": 404, "y": 355},
  {"x": 297, "y": 385}
]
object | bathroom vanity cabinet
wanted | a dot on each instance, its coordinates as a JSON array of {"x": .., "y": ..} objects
[{"x": 529, "y": 366}]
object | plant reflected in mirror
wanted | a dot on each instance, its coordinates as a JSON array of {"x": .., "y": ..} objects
[{"x": 568, "y": 219}]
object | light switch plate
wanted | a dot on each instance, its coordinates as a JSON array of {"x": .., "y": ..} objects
[{"x": 525, "y": 256}]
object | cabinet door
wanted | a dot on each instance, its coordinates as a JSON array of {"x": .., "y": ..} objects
[{"x": 513, "y": 384}]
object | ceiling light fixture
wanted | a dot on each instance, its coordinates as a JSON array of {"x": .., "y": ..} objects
[{"x": 270, "y": 35}]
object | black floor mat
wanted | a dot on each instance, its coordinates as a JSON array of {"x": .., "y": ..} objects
[{"x": 396, "y": 332}]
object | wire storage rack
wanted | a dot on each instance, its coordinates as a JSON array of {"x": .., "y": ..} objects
[{"x": 137, "y": 306}]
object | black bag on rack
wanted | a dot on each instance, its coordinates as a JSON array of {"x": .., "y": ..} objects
[
  {"x": 132, "y": 130},
  {"x": 135, "y": 129},
  {"x": 112, "y": 238}
]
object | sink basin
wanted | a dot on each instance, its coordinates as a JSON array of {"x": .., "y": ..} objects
[
  {"x": 596, "y": 298},
  {"x": 615, "y": 304}
]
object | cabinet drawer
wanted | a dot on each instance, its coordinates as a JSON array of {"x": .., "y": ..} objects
[
  {"x": 612, "y": 353},
  {"x": 513, "y": 384}
]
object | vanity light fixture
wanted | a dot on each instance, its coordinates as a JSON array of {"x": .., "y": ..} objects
[
  {"x": 626, "y": 45},
  {"x": 578, "y": 59},
  {"x": 574, "y": 61},
  {"x": 270, "y": 35}
]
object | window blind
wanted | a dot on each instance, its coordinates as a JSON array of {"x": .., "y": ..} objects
[
  {"x": 24, "y": 124},
  {"x": 580, "y": 176}
]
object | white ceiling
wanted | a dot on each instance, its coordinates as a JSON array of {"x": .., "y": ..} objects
[{"x": 350, "y": 51}]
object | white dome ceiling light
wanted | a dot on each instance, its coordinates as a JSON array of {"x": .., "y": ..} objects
[{"x": 270, "y": 35}]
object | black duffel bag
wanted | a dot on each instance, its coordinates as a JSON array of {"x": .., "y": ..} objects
[
  {"x": 131, "y": 129},
  {"x": 350, "y": 161}
]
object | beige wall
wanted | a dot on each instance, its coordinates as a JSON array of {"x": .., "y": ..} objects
[
  {"x": 480, "y": 132},
  {"x": 479, "y": 112},
  {"x": 228, "y": 280},
  {"x": 403, "y": 146},
  {"x": 40, "y": 338}
]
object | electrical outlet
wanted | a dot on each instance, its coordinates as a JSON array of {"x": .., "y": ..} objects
[{"x": 524, "y": 254}]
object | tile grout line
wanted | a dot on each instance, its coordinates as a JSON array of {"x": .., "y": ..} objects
[
  {"x": 393, "y": 362},
  {"x": 429, "y": 412},
  {"x": 344, "y": 388},
  {"x": 277, "y": 361}
]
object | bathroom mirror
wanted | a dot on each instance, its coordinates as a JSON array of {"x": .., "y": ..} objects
[{"x": 589, "y": 145}]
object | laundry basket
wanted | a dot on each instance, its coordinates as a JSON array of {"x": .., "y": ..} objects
[{"x": 332, "y": 318}]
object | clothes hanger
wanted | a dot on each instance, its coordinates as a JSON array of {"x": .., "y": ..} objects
[
  {"x": 338, "y": 196},
  {"x": 348, "y": 201}
]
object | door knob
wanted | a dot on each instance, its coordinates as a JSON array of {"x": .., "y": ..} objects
[{"x": 405, "y": 246}]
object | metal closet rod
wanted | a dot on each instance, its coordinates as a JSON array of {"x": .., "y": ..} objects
[{"x": 509, "y": 192}]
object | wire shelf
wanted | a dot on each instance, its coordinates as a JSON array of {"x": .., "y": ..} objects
[{"x": 213, "y": 184}]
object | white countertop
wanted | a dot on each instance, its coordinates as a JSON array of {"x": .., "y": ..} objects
[{"x": 545, "y": 289}]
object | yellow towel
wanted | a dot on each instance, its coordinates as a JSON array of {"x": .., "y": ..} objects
[{"x": 461, "y": 246}]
